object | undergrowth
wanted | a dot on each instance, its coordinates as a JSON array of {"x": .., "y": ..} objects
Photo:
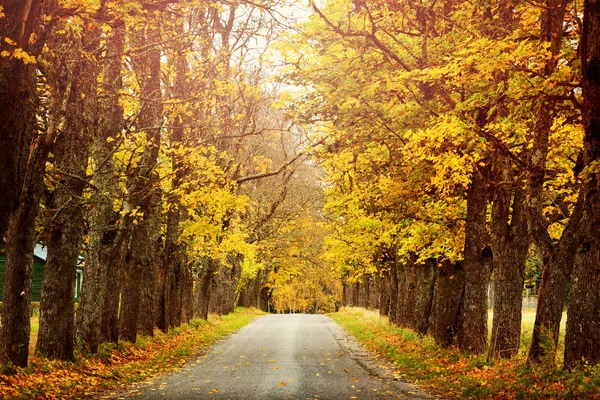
[
  {"x": 115, "y": 367},
  {"x": 452, "y": 374}
]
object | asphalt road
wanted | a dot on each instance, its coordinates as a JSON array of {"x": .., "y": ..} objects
[{"x": 291, "y": 356}]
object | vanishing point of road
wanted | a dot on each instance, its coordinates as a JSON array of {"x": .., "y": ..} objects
[{"x": 291, "y": 356}]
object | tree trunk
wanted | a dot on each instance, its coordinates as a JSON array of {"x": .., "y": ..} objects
[
  {"x": 449, "y": 291},
  {"x": 583, "y": 318},
  {"x": 115, "y": 260},
  {"x": 472, "y": 329},
  {"x": 250, "y": 294},
  {"x": 65, "y": 228},
  {"x": 222, "y": 300},
  {"x": 408, "y": 291},
  {"x": 102, "y": 259},
  {"x": 558, "y": 260},
  {"x": 366, "y": 294},
  {"x": 393, "y": 311},
  {"x": 510, "y": 246},
  {"x": 403, "y": 276},
  {"x": 384, "y": 298},
  {"x": 148, "y": 281},
  {"x": 131, "y": 292},
  {"x": 138, "y": 267},
  {"x": 426, "y": 278},
  {"x": 20, "y": 242},
  {"x": 204, "y": 287},
  {"x": 187, "y": 293},
  {"x": 173, "y": 265},
  {"x": 18, "y": 102}
]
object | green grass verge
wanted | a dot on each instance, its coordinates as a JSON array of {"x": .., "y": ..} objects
[
  {"x": 115, "y": 367},
  {"x": 453, "y": 374}
]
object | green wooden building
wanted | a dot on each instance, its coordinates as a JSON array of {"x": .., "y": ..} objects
[{"x": 40, "y": 255}]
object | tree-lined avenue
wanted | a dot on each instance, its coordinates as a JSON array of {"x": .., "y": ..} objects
[{"x": 291, "y": 356}]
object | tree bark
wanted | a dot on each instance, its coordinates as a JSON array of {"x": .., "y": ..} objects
[
  {"x": 204, "y": 287},
  {"x": 472, "y": 331},
  {"x": 115, "y": 261},
  {"x": 20, "y": 242},
  {"x": 403, "y": 275},
  {"x": 187, "y": 293},
  {"x": 138, "y": 267},
  {"x": 426, "y": 278},
  {"x": 102, "y": 257},
  {"x": 384, "y": 298},
  {"x": 18, "y": 102},
  {"x": 148, "y": 279},
  {"x": 554, "y": 281},
  {"x": 583, "y": 318},
  {"x": 222, "y": 301},
  {"x": 449, "y": 291},
  {"x": 65, "y": 227},
  {"x": 510, "y": 246},
  {"x": 393, "y": 311},
  {"x": 553, "y": 289}
]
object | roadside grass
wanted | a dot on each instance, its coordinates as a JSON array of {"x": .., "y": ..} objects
[
  {"x": 115, "y": 367},
  {"x": 453, "y": 374}
]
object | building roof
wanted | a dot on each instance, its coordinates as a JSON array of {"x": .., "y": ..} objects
[{"x": 40, "y": 252}]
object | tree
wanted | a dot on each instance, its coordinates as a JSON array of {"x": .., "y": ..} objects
[{"x": 583, "y": 318}]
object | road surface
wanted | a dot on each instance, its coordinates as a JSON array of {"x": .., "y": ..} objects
[{"x": 292, "y": 356}]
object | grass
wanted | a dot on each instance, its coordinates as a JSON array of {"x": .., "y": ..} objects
[
  {"x": 527, "y": 322},
  {"x": 453, "y": 374},
  {"x": 35, "y": 326},
  {"x": 115, "y": 367}
]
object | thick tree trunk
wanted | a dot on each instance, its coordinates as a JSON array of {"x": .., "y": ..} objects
[
  {"x": 172, "y": 272},
  {"x": 141, "y": 185},
  {"x": 449, "y": 291},
  {"x": 356, "y": 294},
  {"x": 173, "y": 269},
  {"x": 403, "y": 276},
  {"x": 345, "y": 297},
  {"x": 18, "y": 102},
  {"x": 131, "y": 292},
  {"x": 187, "y": 294},
  {"x": 366, "y": 293},
  {"x": 426, "y": 278},
  {"x": 393, "y": 310},
  {"x": 148, "y": 279},
  {"x": 408, "y": 291},
  {"x": 557, "y": 263},
  {"x": 222, "y": 301},
  {"x": 583, "y": 318},
  {"x": 20, "y": 242},
  {"x": 509, "y": 276},
  {"x": 65, "y": 227},
  {"x": 510, "y": 245},
  {"x": 250, "y": 294},
  {"x": 204, "y": 287},
  {"x": 472, "y": 330},
  {"x": 104, "y": 237},
  {"x": 115, "y": 260},
  {"x": 384, "y": 298},
  {"x": 418, "y": 295},
  {"x": 553, "y": 290}
]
